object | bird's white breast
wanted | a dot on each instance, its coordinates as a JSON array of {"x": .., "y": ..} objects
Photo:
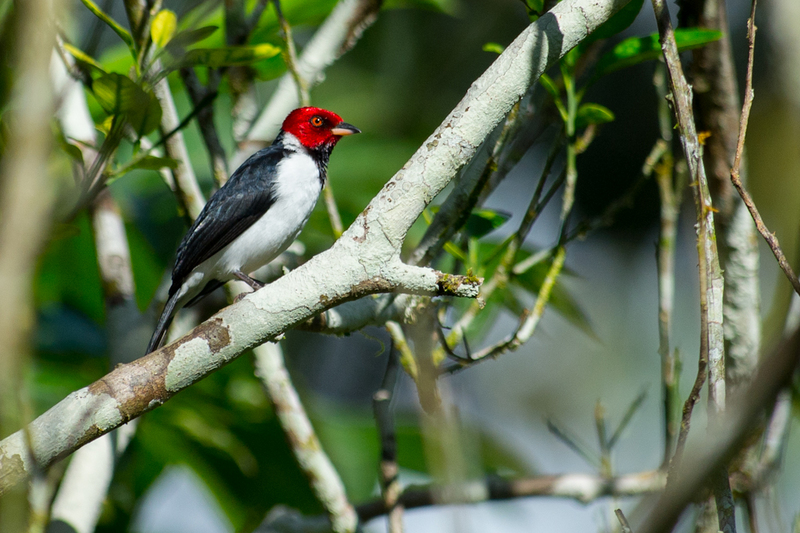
[{"x": 297, "y": 188}]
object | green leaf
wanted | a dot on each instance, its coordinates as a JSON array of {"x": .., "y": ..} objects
[
  {"x": 119, "y": 95},
  {"x": 549, "y": 85},
  {"x": 73, "y": 151},
  {"x": 269, "y": 69},
  {"x": 483, "y": 221},
  {"x": 493, "y": 47},
  {"x": 228, "y": 55},
  {"x": 636, "y": 50},
  {"x": 163, "y": 26},
  {"x": 593, "y": 114},
  {"x": 185, "y": 38},
  {"x": 83, "y": 58},
  {"x": 442, "y": 6},
  {"x": 152, "y": 162},
  {"x": 617, "y": 23},
  {"x": 119, "y": 30},
  {"x": 455, "y": 251}
]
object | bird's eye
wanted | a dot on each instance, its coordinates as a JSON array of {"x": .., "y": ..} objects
[{"x": 316, "y": 121}]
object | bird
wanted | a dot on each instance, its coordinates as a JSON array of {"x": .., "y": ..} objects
[{"x": 256, "y": 214}]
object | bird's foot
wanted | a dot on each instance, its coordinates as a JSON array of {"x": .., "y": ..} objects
[{"x": 254, "y": 283}]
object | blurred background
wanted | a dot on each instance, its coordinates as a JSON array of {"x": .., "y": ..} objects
[{"x": 214, "y": 458}]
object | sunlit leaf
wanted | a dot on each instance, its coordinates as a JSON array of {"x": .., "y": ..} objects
[
  {"x": 493, "y": 47},
  {"x": 113, "y": 24},
  {"x": 636, "y": 50},
  {"x": 84, "y": 58},
  {"x": 163, "y": 26},
  {"x": 593, "y": 114},
  {"x": 228, "y": 56}
]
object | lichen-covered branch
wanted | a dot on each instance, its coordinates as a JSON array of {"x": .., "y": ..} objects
[
  {"x": 711, "y": 283},
  {"x": 187, "y": 189},
  {"x": 364, "y": 261},
  {"x": 324, "y": 480}
]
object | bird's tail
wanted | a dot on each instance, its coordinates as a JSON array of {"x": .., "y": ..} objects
[{"x": 163, "y": 323}]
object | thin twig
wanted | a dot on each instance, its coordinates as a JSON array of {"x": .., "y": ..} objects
[
  {"x": 581, "y": 487},
  {"x": 290, "y": 55},
  {"x": 202, "y": 97},
  {"x": 530, "y": 320},
  {"x": 686, "y": 416},
  {"x": 671, "y": 196},
  {"x": 502, "y": 272},
  {"x": 390, "y": 483},
  {"x": 711, "y": 282},
  {"x": 770, "y": 238},
  {"x": 705, "y": 457},
  {"x": 623, "y": 522}
]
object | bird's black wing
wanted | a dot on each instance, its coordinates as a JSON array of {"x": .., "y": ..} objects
[{"x": 236, "y": 206}]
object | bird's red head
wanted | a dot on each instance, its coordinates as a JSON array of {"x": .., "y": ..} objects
[{"x": 316, "y": 128}]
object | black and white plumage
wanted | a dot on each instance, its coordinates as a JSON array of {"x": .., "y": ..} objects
[{"x": 257, "y": 214}]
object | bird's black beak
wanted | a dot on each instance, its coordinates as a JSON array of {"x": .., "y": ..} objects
[{"x": 343, "y": 128}]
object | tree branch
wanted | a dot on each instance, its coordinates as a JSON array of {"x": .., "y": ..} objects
[
  {"x": 706, "y": 456},
  {"x": 584, "y": 488},
  {"x": 324, "y": 480},
  {"x": 365, "y": 260}
]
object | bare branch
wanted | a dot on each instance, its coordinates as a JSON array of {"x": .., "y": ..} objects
[
  {"x": 390, "y": 483},
  {"x": 670, "y": 194},
  {"x": 770, "y": 238},
  {"x": 711, "y": 282},
  {"x": 189, "y": 193},
  {"x": 623, "y": 522},
  {"x": 706, "y": 457},
  {"x": 205, "y": 119},
  {"x": 581, "y": 487}
]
